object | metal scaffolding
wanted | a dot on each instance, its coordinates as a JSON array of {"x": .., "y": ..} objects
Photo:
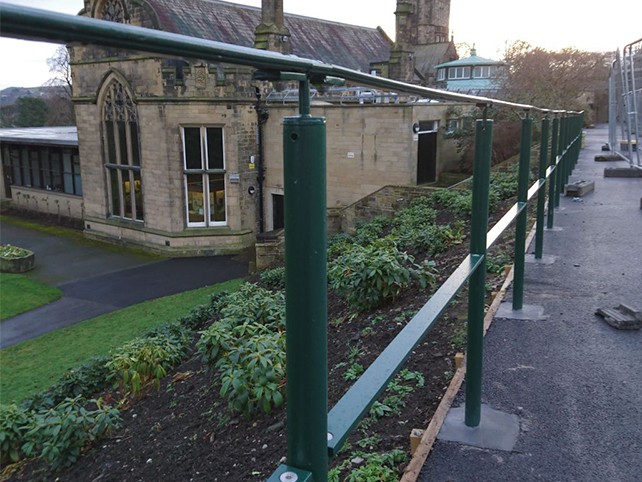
[{"x": 625, "y": 103}]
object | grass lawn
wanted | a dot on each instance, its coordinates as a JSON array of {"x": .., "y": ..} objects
[
  {"x": 34, "y": 365},
  {"x": 20, "y": 294}
]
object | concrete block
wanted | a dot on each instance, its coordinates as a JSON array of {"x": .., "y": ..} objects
[
  {"x": 623, "y": 317},
  {"x": 622, "y": 172},
  {"x": 496, "y": 431},
  {"x": 579, "y": 188},
  {"x": 607, "y": 158}
]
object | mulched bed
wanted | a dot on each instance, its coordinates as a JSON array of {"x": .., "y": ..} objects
[{"x": 184, "y": 431}]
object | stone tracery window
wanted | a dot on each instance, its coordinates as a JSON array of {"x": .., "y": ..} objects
[
  {"x": 113, "y": 11},
  {"x": 122, "y": 153}
]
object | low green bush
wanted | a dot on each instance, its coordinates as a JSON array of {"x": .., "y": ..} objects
[
  {"x": 86, "y": 380},
  {"x": 14, "y": 424},
  {"x": 246, "y": 347},
  {"x": 147, "y": 359},
  {"x": 369, "y": 231},
  {"x": 57, "y": 434},
  {"x": 273, "y": 278},
  {"x": 367, "y": 276}
]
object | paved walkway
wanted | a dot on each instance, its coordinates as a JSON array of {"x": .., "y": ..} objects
[
  {"x": 574, "y": 382},
  {"x": 97, "y": 281}
]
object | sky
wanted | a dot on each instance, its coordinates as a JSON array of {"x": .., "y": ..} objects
[{"x": 491, "y": 25}]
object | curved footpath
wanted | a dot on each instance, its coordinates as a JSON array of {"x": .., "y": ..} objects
[
  {"x": 573, "y": 381},
  {"x": 96, "y": 281}
]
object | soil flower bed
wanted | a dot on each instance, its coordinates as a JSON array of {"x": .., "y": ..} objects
[{"x": 217, "y": 411}]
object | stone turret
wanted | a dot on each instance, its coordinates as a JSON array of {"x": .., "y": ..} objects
[
  {"x": 433, "y": 18},
  {"x": 272, "y": 34},
  {"x": 419, "y": 23},
  {"x": 401, "y": 64}
]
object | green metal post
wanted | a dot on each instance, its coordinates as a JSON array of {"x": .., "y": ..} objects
[
  {"x": 304, "y": 148},
  {"x": 541, "y": 194},
  {"x": 567, "y": 147},
  {"x": 476, "y": 286},
  {"x": 562, "y": 164},
  {"x": 522, "y": 201},
  {"x": 553, "y": 194}
]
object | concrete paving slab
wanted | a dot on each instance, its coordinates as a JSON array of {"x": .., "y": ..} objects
[
  {"x": 545, "y": 259},
  {"x": 497, "y": 430},
  {"x": 527, "y": 313}
]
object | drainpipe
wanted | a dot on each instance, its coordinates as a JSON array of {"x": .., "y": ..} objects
[{"x": 262, "y": 115}]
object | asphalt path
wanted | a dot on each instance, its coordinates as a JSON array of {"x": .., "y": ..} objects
[
  {"x": 96, "y": 281},
  {"x": 574, "y": 381}
]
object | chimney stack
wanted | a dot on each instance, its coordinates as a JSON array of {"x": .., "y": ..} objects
[{"x": 271, "y": 33}]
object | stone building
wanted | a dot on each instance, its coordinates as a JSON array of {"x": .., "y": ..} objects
[{"x": 185, "y": 157}]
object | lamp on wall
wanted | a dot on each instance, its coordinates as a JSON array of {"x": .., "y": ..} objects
[{"x": 416, "y": 128}]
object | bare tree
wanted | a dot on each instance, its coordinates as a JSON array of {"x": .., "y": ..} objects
[
  {"x": 565, "y": 79},
  {"x": 60, "y": 101}
]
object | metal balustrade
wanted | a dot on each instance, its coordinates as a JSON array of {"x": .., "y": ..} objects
[{"x": 313, "y": 434}]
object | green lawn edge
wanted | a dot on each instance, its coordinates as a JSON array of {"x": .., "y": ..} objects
[
  {"x": 34, "y": 365},
  {"x": 20, "y": 294}
]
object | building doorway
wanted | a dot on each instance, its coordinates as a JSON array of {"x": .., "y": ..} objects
[
  {"x": 278, "y": 211},
  {"x": 427, "y": 152}
]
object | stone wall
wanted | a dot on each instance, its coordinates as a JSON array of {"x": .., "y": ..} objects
[
  {"x": 384, "y": 202},
  {"x": 47, "y": 202}
]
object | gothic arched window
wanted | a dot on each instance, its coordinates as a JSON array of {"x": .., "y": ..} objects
[
  {"x": 122, "y": 153},
  {"x": 113, "y": 11}
]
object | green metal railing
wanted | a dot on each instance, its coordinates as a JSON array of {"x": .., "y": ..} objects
[{"x": 313, "y": 433}]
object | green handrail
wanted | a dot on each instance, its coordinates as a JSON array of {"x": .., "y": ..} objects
[{"x": 304, "y": 178}]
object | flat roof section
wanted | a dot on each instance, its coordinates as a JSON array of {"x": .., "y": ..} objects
[{"x": 45, "y": 136}]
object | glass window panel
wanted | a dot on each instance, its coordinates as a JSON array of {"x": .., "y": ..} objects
[
  {"x": 111, "y": 143},
  {"x": 138, "y": 195},
  {"x": 46, "y": 169},
  {"x": 77, "y": 184},
  {"x": 192, "y": 139},
  {"x": 127, "y": 179},
  {"x": 35, "y": 168},
  {"x": 115, "y": 192},
  {"x": 133, "y": 129},
  {"x": 67, "y": 173},
  {"x": 24, "y": 163},
  {"x": 215, "y": 148},
  {"x": 15, "y": 165},
  {"x": 56, "y": 171},
  {"x": 195, "y": 205},
  {"x": 217, "y": 197},
  {"x": 122, "y": 142}
]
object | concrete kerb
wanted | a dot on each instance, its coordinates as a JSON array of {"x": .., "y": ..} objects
[{"x": 413, "y": 470}]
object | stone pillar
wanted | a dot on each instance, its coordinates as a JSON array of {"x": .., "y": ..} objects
[{"x": 271, "y": 33}]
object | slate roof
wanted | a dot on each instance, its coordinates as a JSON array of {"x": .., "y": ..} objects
[
  {"x": 426, "y": 56},
  {"x": 346, "y": 45},
  {"x": 50, "y": 136}
]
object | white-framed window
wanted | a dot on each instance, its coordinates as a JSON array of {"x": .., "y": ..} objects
[
  {"x": 204, "y": 176},
  {"x": 481, "y": 72},
  {"x": 441, "y": 74},
  {"x": 122, "y": 154},
  {"x": 459, "y": 73}
]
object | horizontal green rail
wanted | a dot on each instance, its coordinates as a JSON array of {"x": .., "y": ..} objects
[
  {"x": 44, "y": 25},
  {"x": 349, "y": 410},
  {"x": 345, "y": 415}
]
